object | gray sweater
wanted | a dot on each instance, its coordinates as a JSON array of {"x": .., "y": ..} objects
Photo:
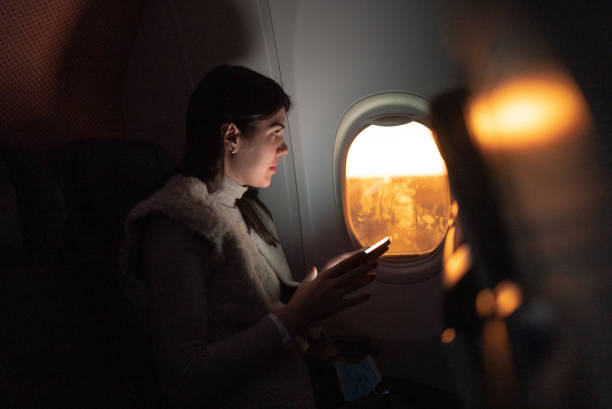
[{"x": 204, "y": 289}]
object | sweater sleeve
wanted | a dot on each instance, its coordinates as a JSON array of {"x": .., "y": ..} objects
[{"x": 193, "y": 371}]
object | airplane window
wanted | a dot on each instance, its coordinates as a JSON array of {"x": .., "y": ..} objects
[
  {"x": 396, "y": 184},
  {"x": 390, "y": 179}
]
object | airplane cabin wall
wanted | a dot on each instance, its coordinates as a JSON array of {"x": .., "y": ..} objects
[{"x": 332, "y": 54}]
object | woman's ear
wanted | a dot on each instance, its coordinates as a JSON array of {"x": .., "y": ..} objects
[{"x": 231, "y": 136}]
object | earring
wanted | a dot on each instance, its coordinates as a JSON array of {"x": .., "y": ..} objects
[{"x": 233, "y": 151}]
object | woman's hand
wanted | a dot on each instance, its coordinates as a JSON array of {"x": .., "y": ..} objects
[
  {"x": 321, "y": 347},
  {"x": 335, "y": 260},
  {"x": 323, "y": 294}
]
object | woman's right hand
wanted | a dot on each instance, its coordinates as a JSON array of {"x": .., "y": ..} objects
[{"x": 323, "y": 294}]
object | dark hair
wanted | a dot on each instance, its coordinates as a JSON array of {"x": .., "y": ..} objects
[{"x": 228, "y": 94}]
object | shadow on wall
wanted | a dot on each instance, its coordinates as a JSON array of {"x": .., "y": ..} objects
[
  {"x": 95, "y": 60},
  {"x": 177, "y": 43},
  {"x": 63, "y": 70}
]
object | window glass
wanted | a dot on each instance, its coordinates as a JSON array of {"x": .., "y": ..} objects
[{"x": 397, "y": 185}]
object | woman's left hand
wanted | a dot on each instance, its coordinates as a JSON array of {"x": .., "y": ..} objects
[{"x": 321, "y": 346}]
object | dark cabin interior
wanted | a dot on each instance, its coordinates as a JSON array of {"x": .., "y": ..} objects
[{"x": 70, "y": 171}]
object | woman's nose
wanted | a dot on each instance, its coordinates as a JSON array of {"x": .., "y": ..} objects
[{"x": 282, "y": 149}]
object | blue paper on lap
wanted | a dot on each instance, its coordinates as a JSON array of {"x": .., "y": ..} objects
[{"x": 357, "y": 379}]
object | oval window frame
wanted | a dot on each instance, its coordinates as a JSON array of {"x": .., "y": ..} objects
[{"x": 384, "y": 109}]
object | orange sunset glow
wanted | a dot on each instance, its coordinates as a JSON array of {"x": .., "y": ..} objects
[
  {"x": 397, "y": 186},
  {"x": 527, "y": 111}
]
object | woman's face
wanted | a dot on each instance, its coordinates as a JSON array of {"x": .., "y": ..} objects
[{"x": 256, "y": 155}]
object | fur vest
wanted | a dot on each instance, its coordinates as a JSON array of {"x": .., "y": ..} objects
[{"x": 243, "y": 288}]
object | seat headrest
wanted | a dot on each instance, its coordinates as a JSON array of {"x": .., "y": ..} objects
[{"x": 103, "y": 178}]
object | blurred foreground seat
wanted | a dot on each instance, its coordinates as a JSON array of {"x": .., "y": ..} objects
[{"x": 72, "y": 340}]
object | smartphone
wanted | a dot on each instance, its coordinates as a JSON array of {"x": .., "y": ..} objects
[
  {"x": 373, "y": 252},
  {"x": 378, "y": 249}
]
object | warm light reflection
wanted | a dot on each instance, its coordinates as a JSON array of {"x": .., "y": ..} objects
[
  {"x": 396, "y": 185},
  {"x": 508, "y": 297},
  {"x": 403, "y": 150},
  {"x": 485, "y": 303},
  {"x": 448, "y": 335},
  {"x": 454, "y": 209},
  {"x": 527, "y": 111},
  {"x": 498, "y": 361},
  {"x": 456, "y": 264},
  {"x": 449, "y": 244}
]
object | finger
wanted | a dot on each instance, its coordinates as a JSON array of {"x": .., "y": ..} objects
[
  {"x": 354, "y": 285},
  {"x": 335, "y": 260},
  {"x": 353, "y": 260},
  {"x": 355, "y": 273},
  {"x": 312, "y": 274}
]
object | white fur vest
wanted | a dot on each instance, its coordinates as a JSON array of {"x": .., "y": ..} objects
[
  {"x": 243, "y": 289},
  {"x": 242, "y": 278}
]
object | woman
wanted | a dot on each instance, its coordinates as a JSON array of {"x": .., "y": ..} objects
[{"x": 203, "y": 266}]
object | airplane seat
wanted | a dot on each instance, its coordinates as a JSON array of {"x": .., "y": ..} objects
[
  {"x": 529, "y": 304},
  {"x": 37, "y": 308},
  {"x": 101, "y": 179},
  {"x": 491, "y": 259},
  {"x": 33, "y": 207}
]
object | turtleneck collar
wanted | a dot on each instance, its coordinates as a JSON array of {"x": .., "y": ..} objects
[{"x": 228, "y": 192}]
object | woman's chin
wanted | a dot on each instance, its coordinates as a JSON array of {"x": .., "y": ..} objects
[{"x": 262, "y": 184}]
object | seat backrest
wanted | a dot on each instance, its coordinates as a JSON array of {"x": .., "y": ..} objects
[
  {"x": 36, "y": 303},
  {"x": 32, "y": 209},
  {"x": 101, "y": 180},
  {"x": 69, "y": 338}
]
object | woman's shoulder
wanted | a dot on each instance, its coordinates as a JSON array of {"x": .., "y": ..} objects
[
  {"x": 160, "y": 231},
  {"x": 182, "y": 206}
]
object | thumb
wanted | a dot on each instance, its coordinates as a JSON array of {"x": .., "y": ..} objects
[{"x": 312, "y": 274}]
